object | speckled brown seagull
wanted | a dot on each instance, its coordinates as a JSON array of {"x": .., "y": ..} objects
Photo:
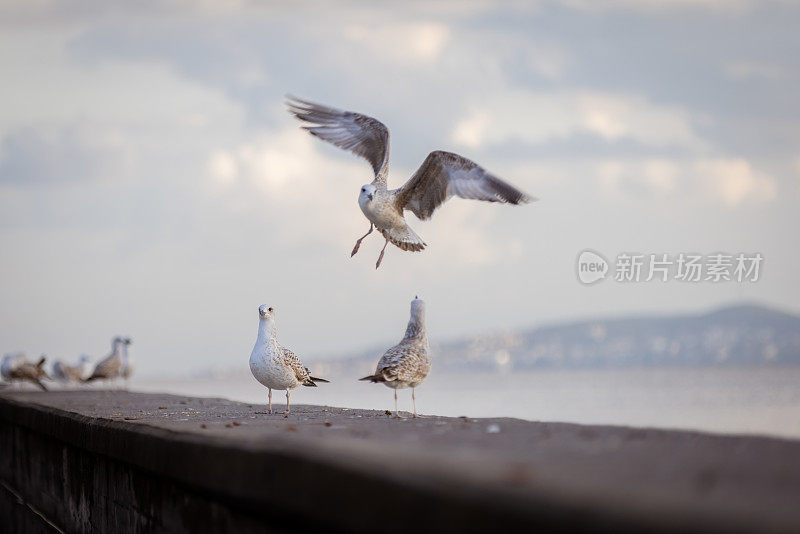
[
  {"x": 442, "y": 175},
  {"x": 109, "y": 367},
  {"x": 406, "y": 364}
]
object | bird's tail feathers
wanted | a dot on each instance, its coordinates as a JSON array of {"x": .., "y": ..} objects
[
  {"x": 315, "y": 379},
  {"x": 378, "y": 377},
  {"x": 404, "y": 238},
  {"x": 39, "y": 383}
]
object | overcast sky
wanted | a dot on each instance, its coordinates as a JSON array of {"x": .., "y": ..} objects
[{"x": 152, "y": 183}]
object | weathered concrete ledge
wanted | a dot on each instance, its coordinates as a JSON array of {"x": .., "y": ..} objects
[{"x": 128, "y": 462}]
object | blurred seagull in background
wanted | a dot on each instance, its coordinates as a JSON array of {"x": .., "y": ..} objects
[
  {"x": 11, "y": 362},
  {"x": 128, "y": 365},
  {"x": 407, "y": 363},
  {"x": 272, "y": 364},
  {"x": 441, "y": 176},
  {"x": 109, "y": 367},
  {"x": 16, "y": 368},
  {"x": 73, "y": 373}
]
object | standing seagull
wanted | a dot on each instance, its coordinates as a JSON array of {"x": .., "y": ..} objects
[
  {"x": 442, "y": 175},
  {"x": 128, "y": 363},
  {"x": 11, "y": 362},
  {"x": 109, "y": 367},
  {"x": 274, "y": 365},
  {"x": 407, "y": 363},
  {"x": 64, "y": 372}
]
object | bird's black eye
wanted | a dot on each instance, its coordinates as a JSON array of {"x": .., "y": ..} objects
[
  {"x": 362, "y": 189},
  {"x": 269, "y": 309}
]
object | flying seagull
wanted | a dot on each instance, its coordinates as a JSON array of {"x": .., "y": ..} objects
[
  {"x": 272, "y": 364},
  {"x": 407, "y": 363},
  {"x": 442, "y": 175}
]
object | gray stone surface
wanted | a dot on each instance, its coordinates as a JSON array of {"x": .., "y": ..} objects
[{"x": 357, "y": 470}]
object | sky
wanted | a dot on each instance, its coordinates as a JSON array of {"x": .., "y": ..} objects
[{"x": 152, "y": 183}]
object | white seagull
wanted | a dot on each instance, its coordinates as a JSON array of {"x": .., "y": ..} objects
[
  {"x": 109, "y": 367},
  {"x": 128, "y": 363},
  {"x": 11, "y": 362},
  {"x": 441, "y": 176},
  {"x": 64, "y": 372},
  {"x": 274, "y": 365},
  {"x": 407, "y": 363}
]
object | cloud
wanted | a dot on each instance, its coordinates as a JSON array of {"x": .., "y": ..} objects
[
  {"x": 132, "y": 96},
  {"x": 652, "y": 176},
  {"x": 538, "y": 116},
  {"x": 735, "y": 181},
  {"x": 462, "y": 232},
  {"x": 502, "y": 54},
  {"x": 408, "y": 43},
  {"x": 731, "y": 182},
  {"x": 32, "y": 157},
  {"x": 286, "y": 175},
  {"x": 472, "y": 131},
  {"x": 43, "y": 13},
  {"x": 745, "y": 70},
  {"x": 731, "y": 6},
  {"x": 286, "y": 164}
]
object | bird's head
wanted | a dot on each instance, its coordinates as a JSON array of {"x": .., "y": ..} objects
[
  {"x": 418, "y": 308},
  {"x": 266, "y": 312},
  {"x": 367, "y": 194}
]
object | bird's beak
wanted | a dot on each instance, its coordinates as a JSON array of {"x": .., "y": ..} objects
[{"x": 370, "y": 196}]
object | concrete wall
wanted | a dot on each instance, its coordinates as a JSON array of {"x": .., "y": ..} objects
[
  {"x": 80, "y": 474},
  {"x": 114, "y": 461}
]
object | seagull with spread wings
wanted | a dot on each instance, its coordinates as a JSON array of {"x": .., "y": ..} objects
[{"x": 441, "y": 176}]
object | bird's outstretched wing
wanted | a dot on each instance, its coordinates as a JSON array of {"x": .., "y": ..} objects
[
  {"x": 357, "y": 133},
  {"x": 444, "y": 174}
]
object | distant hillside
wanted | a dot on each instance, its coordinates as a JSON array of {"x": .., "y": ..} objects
[{"x": 738, "y": 335}]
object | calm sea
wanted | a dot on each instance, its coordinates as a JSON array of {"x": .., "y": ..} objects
[{"x": 728, "y": 400}]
